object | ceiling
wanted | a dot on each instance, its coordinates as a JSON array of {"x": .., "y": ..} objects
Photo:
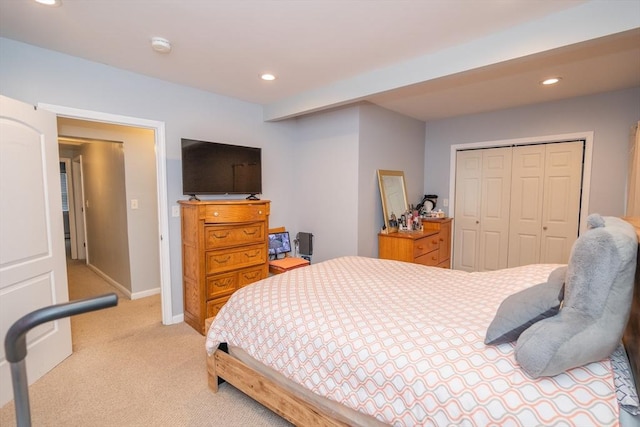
[{"x": 427, "y": 59}]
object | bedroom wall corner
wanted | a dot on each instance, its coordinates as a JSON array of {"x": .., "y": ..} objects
[
  {"x": 325, "y": 175},
  {"x": 392, "y": 141}
]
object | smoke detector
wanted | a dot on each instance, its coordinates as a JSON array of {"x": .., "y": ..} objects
[{"x": 161, "y": 45}]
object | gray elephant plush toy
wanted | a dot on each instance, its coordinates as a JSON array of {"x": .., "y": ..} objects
[{"x": 597, "y": 301}]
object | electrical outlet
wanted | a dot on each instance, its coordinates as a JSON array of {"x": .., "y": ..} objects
[
  {"x": 175, "y": 211},
  {"x": 134, "y": 203},
  {"x": 445, "y": 202}
]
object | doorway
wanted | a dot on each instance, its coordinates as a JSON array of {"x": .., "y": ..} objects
[{"x": 160, "y": 179}]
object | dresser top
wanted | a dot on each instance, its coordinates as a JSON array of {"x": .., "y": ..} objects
[
  {"x": 410, "y": 234},
  {"x": 223, "y": 202}
]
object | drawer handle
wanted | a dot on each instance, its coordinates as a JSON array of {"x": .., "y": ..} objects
[
  {"x": 434, "y": 241},
  {"x": 222, "y": 261},
  {"x": 221, "y": 236},
  {"x": 255, "y": 254},
  {"x": 434, "y": 258},
  {"x": 251, "y": 275},
  {"x": 216, "y": 214},
  {"x": 249, "y": 233},
  {"x": 260, "y": 212},
  {"x": 420, "y": 247},
  {"x": 223, "y": 283}
]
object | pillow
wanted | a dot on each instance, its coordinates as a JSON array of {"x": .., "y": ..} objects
[
  {"x": 597, "y": 302},
  {"x": 521, "y": 310}
]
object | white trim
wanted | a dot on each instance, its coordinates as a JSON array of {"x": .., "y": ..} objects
[
  {"x": 163, "y": 219},
  {"x": 587, "y": 136},
  {"x": 147, "y": 293},
  {"x": 109, "y": 280}
]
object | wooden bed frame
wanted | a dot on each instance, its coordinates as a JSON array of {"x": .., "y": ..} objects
[{"x": 223, "y": 367}]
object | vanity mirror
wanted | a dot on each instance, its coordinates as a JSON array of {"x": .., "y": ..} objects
[{"x": 393, "y": 193}]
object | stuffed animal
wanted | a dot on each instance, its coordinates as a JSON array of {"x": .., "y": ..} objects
[{"x": 597, "y": 301}]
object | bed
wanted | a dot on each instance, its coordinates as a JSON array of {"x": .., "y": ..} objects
[{"x": 361, "y": 341}]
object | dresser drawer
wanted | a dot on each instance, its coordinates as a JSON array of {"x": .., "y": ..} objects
[
  {"x": 213, "y": 307},
  {"x": 231, "y": 213},
  {"x": 216, "y": 237},
  {"x": 250, "y": 275},
  {"x": 221, "y": 284},
  {"x": 231, "y": 259},
  {"x": 430, "y": 259},
  {"x": 425, "y": 245}
]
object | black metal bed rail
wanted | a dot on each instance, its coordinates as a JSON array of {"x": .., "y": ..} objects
[{"x": 15, "y": 344}]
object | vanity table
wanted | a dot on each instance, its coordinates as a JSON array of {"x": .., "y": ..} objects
[{"x": 431, "y": 246}]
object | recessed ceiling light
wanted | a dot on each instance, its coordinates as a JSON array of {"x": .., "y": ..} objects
[
  {"x": 161, "y": 45},
  {"x": 551, "y": 81},
  {"x": 50, "y": 2},
  {"x": 268, "y": 77}
]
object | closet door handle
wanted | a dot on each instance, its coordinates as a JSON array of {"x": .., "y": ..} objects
[
  {"x": 544, "y": 228},
  {"x": 477, "y": 222}
]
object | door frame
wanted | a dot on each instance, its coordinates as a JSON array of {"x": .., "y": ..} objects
[
  {"x": 161, "y": 186},
  {"x": 586, "y": 136},
  {"x": 71, "y": 200},
  {"x": 81, "y": 220}
]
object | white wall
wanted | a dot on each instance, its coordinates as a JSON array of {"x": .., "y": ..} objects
[
  {"x": 609, "y": 115},
  {"x": 106, "y": 210},
  {"x": 325, "y": 174},
  {"x": 35, "y": 75},
  {"x": 391, "y": 141},
  {"x": 337, "y": 155}
]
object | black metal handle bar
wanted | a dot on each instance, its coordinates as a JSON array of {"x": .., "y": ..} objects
[{"x": 15, "y": 343}]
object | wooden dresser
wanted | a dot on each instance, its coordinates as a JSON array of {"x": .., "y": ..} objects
[
  {"x": 432, "y": 246},
  {"x": 443, "y": 227},
  {"x": 224, "y": 247}
]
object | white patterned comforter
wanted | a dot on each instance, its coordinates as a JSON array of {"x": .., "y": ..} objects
[{"x": 404, "y": 343}]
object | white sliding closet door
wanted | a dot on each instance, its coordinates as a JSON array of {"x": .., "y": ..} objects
[
  {"x": 467, "y": 210},
  {"x": 526, "y": 205},
  {"x": 545, "y": 202},
  {"x": 483, "y": 184},
  {"x": 517, "y": 205},
  {"x": 561, "y": 204}
]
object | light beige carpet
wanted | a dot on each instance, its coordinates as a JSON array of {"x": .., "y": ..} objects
[{"x": 127, "y": 369}]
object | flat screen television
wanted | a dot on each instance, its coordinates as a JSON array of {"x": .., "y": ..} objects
[
  {"x": 215, "y": 168},
  {"x": 279, "y": 243}
]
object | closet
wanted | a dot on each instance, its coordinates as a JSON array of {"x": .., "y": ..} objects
[{"x": 516, "y": 205}]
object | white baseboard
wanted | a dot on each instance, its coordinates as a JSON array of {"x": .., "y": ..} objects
[
  {"x": 143, "y": 294},
  {"x": 112, "y": 282}
]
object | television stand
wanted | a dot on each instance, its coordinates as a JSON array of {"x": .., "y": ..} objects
[
  {"x": 252, "y": 197},
  {"x": 194, "y": 197}
]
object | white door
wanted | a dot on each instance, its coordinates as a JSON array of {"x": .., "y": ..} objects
[
  {"x": 78, "y": 200},
  {"x": 526, "y": 205},
  {"x": 561, "y": 204},
  {"x": 545, "y": 203},
  {"x": 467, "y": 210},
  {"x": 32, "y": 255},
  {"x": 494, "y": 209},
  {"x": 483, "y": 182}
]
